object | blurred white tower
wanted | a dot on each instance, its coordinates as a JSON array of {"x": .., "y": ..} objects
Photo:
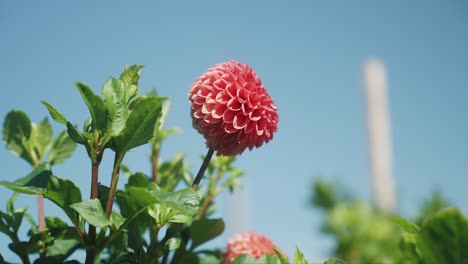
[
  {"x": 238, "y": 215},
  {"x": 379, "y": 135}
]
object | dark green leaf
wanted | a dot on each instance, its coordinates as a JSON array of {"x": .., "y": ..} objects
[
  {"x": 138, "y": 179},
  {"x": 204, "y": 230},
  {"x": 55, "y": 260},
  {"x": 63, "y": 248},
  {"x": 188, "y": 257},
  {"x": 72, "y": 262},
  {"x": 33, "y": 183},
  {"x": 55, "y": 225},
  {"x": 16, "y": 133},
  {"x": 115, "y": 101},
  {"x": 135, "y": 199},
  {"x": 75, "y": 135},
  {"x": 10, "y": 223},
  {"x": 55, "y": 114},
  {"x": 62, "y": 148},
  {"x": 135, "y": 240},
  {"x": 60, "y": 230},
  {"x": 140, "y": 123},
  {"x": 91, "y": 210},
  {"x": 407, "y": 225},
  {"x": 20, "y": 248},
  {"x": 186, "y": 201},
  {"x": 64, "y": 193},
  {"x": 5, "y": 221},
  {"x": 444, "y": 238},
  {"x": 95, "y": 104}
]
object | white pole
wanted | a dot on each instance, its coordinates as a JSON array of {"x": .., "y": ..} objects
[
  {"x": 379, "y": 135},
  {"x": 239, "y": 208}
]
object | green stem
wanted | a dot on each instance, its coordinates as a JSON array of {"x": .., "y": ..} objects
[
  {"x": 115, "y": 178},
  {"x": 211, "y": 194},
  {"x": 203, "y": 167},
  {"x": 153, "y": 246}
]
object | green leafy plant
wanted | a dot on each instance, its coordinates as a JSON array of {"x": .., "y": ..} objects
[
  {"x": 160, "y": 218},
  {"x": 35, "y": 144},
  {"x": 441, "y": 238},
  {"x": 364, "y": 235}
]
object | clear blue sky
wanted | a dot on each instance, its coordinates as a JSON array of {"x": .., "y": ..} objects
[{"x": 308, "y": 55}]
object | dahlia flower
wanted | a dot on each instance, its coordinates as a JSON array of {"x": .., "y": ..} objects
[
  {"x": 250, "y": 243},
  {"x": 232, "y": 109}
]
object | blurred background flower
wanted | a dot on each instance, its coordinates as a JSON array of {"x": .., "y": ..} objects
[{"x": 249, "y": 243}]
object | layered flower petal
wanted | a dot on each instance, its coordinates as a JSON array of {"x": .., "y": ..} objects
[
  {"x": 250, "y": 243},
  {"x": 232, "y": 109}
]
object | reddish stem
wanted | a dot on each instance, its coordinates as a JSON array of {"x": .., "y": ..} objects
[
  {"x": 154, "y": 168},
  {"x": 91, "y": 250},
  {"x": 95, "y": 180},
  {"x": 41, "y": 215}
]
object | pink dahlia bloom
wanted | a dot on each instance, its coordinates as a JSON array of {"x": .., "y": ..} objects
[
  {"x": 250, "y": 243},
  {"x": 232, "y": 109}
]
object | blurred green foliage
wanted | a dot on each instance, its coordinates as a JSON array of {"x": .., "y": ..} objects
[{"x": 363, "y": 234}]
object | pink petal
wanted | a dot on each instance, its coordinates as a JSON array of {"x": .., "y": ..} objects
[
  {"x": 234, "y": 104},
  {"x": 240, "y": 121},
  {"x": 222, "y": 97},
  {"x": 255, "y": 115},
  {"x": 218, "y": 110},
  {"x": 228, "y": 116}
]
